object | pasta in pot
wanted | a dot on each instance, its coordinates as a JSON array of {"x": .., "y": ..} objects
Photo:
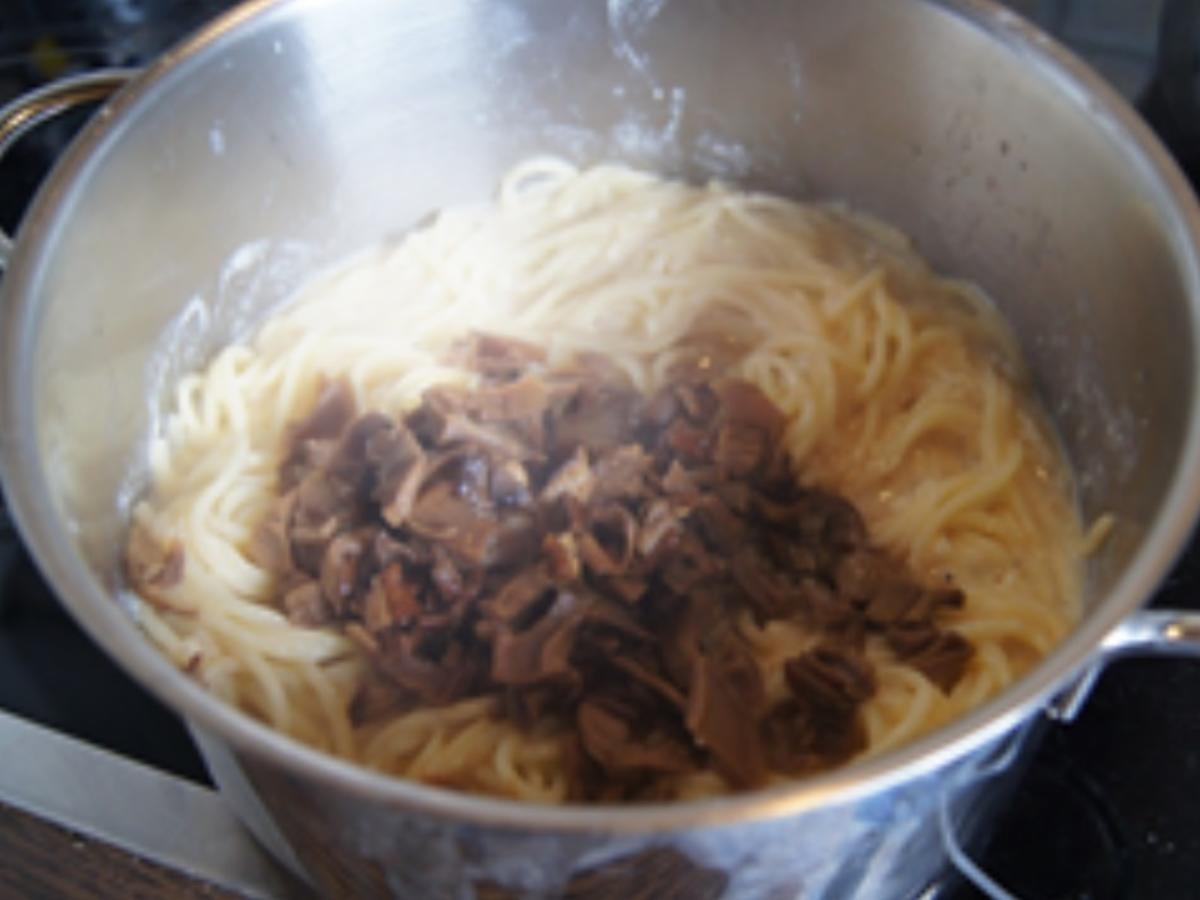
[{"x": 902, "y": 391}]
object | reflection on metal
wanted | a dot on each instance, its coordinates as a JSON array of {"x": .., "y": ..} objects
[
  {"x": 30, "y": 110},
  {"x": 999, "y": 765},
  {"x": 139, "y": 809},
  {"x": 334, "y": 125},
  {"x": 1155, "y": 632}
]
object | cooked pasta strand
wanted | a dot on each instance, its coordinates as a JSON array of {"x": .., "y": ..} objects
[{"x": 901, "y": 388}]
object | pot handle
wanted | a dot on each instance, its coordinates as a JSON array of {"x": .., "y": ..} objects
[
  {"x": 970, "y": 870},
  {"x": 1155, "y": 632},
  {"x": 1149, "y": 632},
  {"x": 32, "y": 109}
]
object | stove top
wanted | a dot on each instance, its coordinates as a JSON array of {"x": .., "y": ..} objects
[{"x": 1106, "y": 809}]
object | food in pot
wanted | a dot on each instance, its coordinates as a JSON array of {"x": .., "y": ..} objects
[
  {"x": 618, "y": 489},
  {"x": 582, "y": 553}
]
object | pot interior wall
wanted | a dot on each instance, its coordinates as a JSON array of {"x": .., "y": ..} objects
[{"x": 321, "y": 128}]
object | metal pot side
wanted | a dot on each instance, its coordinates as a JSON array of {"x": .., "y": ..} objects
[{"x": 289, "y": 134}]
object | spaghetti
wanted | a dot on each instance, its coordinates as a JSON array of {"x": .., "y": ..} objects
[{"x": 903, "y": 392}]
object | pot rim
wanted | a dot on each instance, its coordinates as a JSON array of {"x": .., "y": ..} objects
[{"x": 108, "y": 623}]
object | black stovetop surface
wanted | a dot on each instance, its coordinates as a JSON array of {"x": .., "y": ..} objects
[{"x": 1109, "y": 805}]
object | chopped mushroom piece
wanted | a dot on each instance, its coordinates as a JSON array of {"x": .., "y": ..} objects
[
  {"x": 270, "y": 545},
  {"x": 510, "y": 484},
  {"x": 587, "y": 556},
  {"x": 621, "y": 474},
  {"x": 610, "y": 740},
  {"x": 151, "y": 567},
  {"x": 310, "y": 439},
  {"x": 305, "y": 604},
  {"x": 340, "y": 570},
  {"x": 574, "y": 479},
  {"x": 402, "y": 466},
  {"x": 562, "y": 556},
  {"x": 740, "y": 449},
  {"x": 524, "y": 398},
  {"x": 498, "y": 357},
  {"x": 941, "y": 656},
  {"x": 543, "y": 650},
  {"x": 599, "y": 416}
]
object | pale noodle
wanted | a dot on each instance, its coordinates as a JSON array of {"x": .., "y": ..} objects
[{"x": 902, "y": 390}]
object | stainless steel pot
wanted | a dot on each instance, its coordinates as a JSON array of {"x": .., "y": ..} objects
[{"x": 289, "y": 134}]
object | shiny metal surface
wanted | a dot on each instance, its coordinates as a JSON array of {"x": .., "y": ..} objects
[
  {"x": 999, "y": 767},
  {"x": 1145, "y": 633},
  {"x": 156, "y": 816},
  {"x": 1164, "y": 632},
  {"x": 32, "y": 109},
  {"x": 887, "y": 845},
  {"x": 289, "y": 134}
]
